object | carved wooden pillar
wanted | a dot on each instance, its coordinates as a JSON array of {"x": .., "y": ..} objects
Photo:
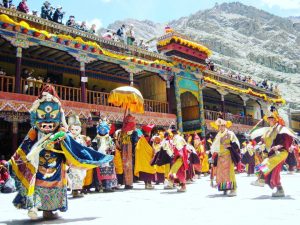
[
  {"x": 83, "y": 59},
  {"x": 245, "y": 99},
  {"x": 18, "y": 70},
  {"x": 178, "y": 104},
  {"x": 83, "y": 82},
  {"x": 201, "y": 108},
  {"x": 222, "y": 92},
  {"x": 15, "y": 130},
  {"x": 223, "y": 105},
  {"x": 131, "y": 69},
  {"x": 169, "y": 97}
]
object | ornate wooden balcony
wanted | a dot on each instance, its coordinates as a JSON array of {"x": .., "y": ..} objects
[
  {"x": 33, "y": 88},
  {"x": 236, "y": 119}
]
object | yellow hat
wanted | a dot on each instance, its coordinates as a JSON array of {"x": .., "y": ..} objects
[{"x": 219, "y": 122}]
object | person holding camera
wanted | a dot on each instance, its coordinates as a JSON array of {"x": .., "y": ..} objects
[
  {"x": 7, "y": 3},
  {"x": 47, "y": 11},
  {"x": 58, "y": 15},
  {"x": 71, "y": 22},
  {"x": 23, "y": 7}
]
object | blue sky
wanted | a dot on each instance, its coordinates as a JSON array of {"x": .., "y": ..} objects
[{"x": 104, "y": 12}]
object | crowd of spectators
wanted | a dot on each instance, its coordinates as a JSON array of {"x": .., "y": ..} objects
[
  {"x": 264, "y": 84},
  {"x": 124, "y": 34}
]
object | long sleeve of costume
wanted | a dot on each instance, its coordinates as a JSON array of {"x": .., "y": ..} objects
[
  {"x": 51, "y": 168},
  {"x": 284, "y": 140}
]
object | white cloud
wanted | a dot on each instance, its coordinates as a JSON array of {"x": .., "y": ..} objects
[
  {"x": 283, "y": 4},
  {"x": 106, "y": 1}
]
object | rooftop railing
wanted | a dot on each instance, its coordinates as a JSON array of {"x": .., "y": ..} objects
[
  {"x": 237, "y": 83},
  {"x": 55, "y": 28}
]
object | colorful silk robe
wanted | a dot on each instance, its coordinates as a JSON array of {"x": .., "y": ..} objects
[{"x": 44, "y": 187}]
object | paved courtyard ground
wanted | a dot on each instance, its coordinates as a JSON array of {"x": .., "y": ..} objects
[{"x": 199, "y": 205}]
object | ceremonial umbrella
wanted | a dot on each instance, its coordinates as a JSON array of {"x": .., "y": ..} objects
[{"x": 128, "y": 98}]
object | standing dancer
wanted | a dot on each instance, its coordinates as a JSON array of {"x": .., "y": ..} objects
[
  {"x": 180, "y": 162},
  {"x": 249, "y": 156},
  {"x": 76, "y": 176},
  {"x": 143, "y": 156},
  {"x": 277, "y": 139},
  {"x": 105, "y": 176},
  {"x": 227, "y": 146},
  {"x": 39, "y": 164},
  {"x": 128, "y": 138}
]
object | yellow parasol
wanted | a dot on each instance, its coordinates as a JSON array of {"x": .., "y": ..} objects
[{"x": 128, "y": 98}]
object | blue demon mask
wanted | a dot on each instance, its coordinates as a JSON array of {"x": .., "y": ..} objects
[
  {"x": 103, "y": 128},
  {"x": 47, "y": 117}
]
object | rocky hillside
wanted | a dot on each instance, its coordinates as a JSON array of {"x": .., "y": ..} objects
[{"x": 243, "y": 39}]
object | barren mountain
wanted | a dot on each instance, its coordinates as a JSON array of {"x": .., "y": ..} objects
[{"x": 243, "y": 39}]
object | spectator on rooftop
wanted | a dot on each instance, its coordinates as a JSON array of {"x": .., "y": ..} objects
[
  {"x": 211, "y": 66},
  {"x": 13, "y": 7},
  {"x": 92, "y": 30},
  {"x": 107, "y": 35},
  {"x": 7, "y": 3},
  {"x": 141, "y": 44},
  {"x": 47, "y": 11},
  {"x": 121, "y": 33},
  {"x": 83, "y": 26},
  {"x": 34, "y": 13},
  {"x": 58, "y": 15},
  {"x": 130, "y": 35},
  {"x": 2, "y": 72},
  {"x": 23, "y": 7},
  {"x": 271, "y": 87},
  {"x": 71, "y": 22}
]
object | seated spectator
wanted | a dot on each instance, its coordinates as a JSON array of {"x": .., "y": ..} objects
[
  {"x": 2, "y": 72},
  {"x": 47, "y": 11},
  {"x": 71, "y": 22},
  {"x": 107, "y": 35},
  {"x": 95, "y": 87},
  {"x": 211, "y": 66},
  {"x": 13, "y": 7},
  {"x": 39, "y": 83},
  {"x": 121, "y": 33},
  {"x": 271, "y": 87},
  {"x": 34, "y": 13},
  {"x": 31, "y": 83},
  {"x": 48, "y": 80},
  {"x": 22, "y": 7},
  {"x": 70, "y": 82},
  {"x": 83, "y": 26},
  {"x": 276, "y": 90},
  {"x": 25, "y": 73},
  {"x": 115, "y": 37},
  {"x": 7, "y": 3},
  {"x": 103, "y": 96},
  {"x": 58, "y": 15},
  {"x": 93, "y": 29},
  {"x": 141, "y": 44},
  {"x": 4, "y": 175}
]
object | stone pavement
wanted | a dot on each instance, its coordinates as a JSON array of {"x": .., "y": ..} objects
[{"x": 199, "y": 205}]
